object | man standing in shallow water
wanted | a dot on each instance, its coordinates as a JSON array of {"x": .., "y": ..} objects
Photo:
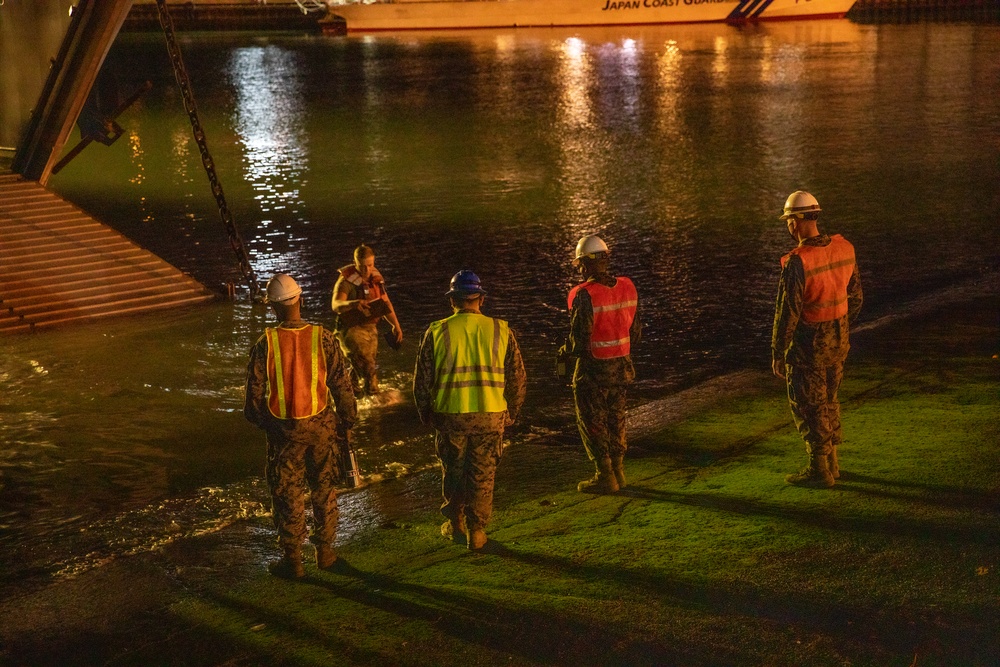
[
  {"x": 294, "y": 371},
  {"x": 360, "y": 300},
  {"x": 819, "y": 297}
]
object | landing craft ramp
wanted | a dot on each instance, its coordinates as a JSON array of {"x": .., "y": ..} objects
[{"x": 58, "y": 265}]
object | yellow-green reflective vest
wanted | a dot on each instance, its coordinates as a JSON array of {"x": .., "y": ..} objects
[{"x": 469, "y": 351}]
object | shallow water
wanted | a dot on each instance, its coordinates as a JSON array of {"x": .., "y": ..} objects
[{"x": 493, "y": 151}]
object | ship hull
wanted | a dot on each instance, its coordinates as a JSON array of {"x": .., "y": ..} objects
[{"x": 471, "y": 14}]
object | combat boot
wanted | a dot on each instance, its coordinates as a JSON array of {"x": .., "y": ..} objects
[
  {"x": 326, "y": 556},
  {"x": 454, "y": 529},
  {"x": 603, "y": 480},
  {"x": 816, "y": 476},
  {"x": 289, "y": 566},
  {"x": 834, "y": 463},
  {"x": 477, "y": 539},
  {"x": 618, "y": 468}
]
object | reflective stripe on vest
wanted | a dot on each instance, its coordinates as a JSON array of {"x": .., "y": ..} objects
[
  {"x": 296, "y": 372},
  {"x": 614, "y": 310},
  {"x": 469, "y": 353},
  {"x": 828, "y": 270}
]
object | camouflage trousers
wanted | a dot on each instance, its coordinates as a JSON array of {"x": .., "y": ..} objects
[
  {"x": 300, "y": 455},
  {"x": 812, "y": 395},
  {"x": 469, "y": 465},
  {"x": 360, "y": 345},
  {"x": 600, "y": 416}
]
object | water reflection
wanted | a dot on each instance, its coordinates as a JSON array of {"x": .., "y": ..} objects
[
  {"x": 579, "y": 144},
  {"x": 270, "y": 122}
]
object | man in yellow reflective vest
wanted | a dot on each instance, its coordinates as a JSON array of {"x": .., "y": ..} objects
[
  {"x": 469, "y": 384},
  {"x": 295, "y": 370},
  {"x": 819, "y": 297},
  {"x": 604, "y": 323}
]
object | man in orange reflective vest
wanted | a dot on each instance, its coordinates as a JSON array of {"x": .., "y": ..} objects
[
  {"x": 604, "y": 323},
  {"x": 819, "y": 297},
  {"x": 295, "y": 370},
  {"x": 469, "y": 384}
]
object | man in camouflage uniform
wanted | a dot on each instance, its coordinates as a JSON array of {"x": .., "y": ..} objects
[
  {"x": 360, "y": 300},
  {"x": 819, "y": 297},
  {"x": 469, "y": 384},
  {"x": 604, "y": 322},
  {"x": 294, "y": 371}
]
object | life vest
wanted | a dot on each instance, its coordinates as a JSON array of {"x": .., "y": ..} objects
[
  {"x": 296, "y": 372},
  {"x": 469, "y": 353},
  {"x": 614, "y": 311},
  {"x": 828, "y": 270},
  {"x": 370, "y": 291}
]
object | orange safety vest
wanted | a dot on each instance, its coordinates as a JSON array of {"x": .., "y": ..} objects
[
  {"x": 296, "y": 372},
  {"x": 828, "y": 270},
  {"x": 614, "y": 310}
]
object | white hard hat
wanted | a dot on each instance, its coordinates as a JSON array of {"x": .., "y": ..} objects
[
  {"x": 591, "y": 247},
  {"x": 282, "y": 289},
  {"x": 800, "y": 202}
]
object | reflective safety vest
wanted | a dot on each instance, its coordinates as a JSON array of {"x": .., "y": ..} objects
[
  {"x": 614, "y": 310},
  {"x": 469, "y": 353},
  {"x": 296, "y": 372},
  {"x": 828, "y": 270}
]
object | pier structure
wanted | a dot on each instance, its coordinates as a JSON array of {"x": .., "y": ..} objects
[
  {"x": 918, "y": 11},
  {"x": 301, "y": 15}
]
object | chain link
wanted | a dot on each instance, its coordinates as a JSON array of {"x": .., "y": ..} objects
[{"x": 180, "y": 73}]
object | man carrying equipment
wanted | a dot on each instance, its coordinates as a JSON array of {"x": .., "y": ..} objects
[{"x": 360, "y": 300}]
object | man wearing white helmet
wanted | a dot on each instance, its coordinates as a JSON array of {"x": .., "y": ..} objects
[
  {"x": 295, "y": 370},
  {"x": 604, "y": 323},
  {"x": 819, "y": 297},
  {"x": 469, "y": 384}
]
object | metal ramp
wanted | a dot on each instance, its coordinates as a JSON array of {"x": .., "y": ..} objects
[{"x": 58, "y": 265}]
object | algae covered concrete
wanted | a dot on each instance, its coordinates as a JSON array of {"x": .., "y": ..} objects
[{"x": 707, "y": 558}]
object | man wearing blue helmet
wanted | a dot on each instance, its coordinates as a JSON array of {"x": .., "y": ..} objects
[{"x": 469, "y": 384}]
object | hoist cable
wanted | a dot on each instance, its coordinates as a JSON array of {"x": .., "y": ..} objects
[{"x": 184, "y": 82}]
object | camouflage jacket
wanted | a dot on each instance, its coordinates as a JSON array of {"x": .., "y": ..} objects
[{"x": 800, "y": 343}]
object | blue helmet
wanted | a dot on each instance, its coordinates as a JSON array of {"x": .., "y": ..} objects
[{"x": 465, "y": 283}]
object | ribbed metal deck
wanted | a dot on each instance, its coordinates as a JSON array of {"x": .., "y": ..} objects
[{"x": 58, "y": 265}]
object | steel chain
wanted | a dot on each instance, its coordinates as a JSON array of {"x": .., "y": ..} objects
[{"x": 183, "y": 81}]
